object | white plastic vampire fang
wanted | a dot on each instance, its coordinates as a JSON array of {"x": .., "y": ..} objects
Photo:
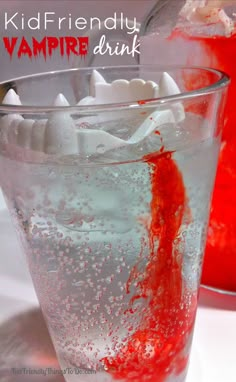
[
  {"x": 60, "y": 132},
  {"x": 128, "y": 91},
  {"x": 9, "y": 123},
  {"x": 17, "y": 129},
  {"x": 168, "y": 87},
  {"x": 120, "y": 91},
  {"x": 59, "y": 135}
]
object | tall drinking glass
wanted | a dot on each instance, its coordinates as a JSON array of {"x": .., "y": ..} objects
[{"x": 111, "y": 204}]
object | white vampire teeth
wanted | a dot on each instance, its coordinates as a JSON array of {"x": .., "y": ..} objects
[
  {"x": 61, "y": 134},
  {"x": 9, "y": 123},
  {"x": 11, "y": 98}
]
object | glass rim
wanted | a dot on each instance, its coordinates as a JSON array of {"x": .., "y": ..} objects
[{"x": 222, "y": 82}]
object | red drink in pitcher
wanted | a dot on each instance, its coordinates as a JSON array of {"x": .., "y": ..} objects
[
  {"x": 205, "y": 35},
  {"x": 219, "y": 268}
]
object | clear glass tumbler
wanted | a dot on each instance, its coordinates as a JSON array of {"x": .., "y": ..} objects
[{"x": 111, "y": 204}]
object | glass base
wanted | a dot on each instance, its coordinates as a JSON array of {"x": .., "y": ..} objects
[{"x": 219, "y": 290}]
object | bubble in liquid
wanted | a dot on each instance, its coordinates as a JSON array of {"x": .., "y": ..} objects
[
  {"x": 100, "y": 149},
  {"x": 51, "y": 174},
  {"x": 88, "y": 219},
  {"x": 108, "y": 280}
]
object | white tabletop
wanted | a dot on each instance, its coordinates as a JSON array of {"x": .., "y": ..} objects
[{"x": 214, "y": 347}]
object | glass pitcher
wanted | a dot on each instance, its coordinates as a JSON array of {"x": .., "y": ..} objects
[{"x": 203, "y": 33}]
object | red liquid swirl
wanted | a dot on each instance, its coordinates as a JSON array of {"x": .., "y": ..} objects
[{"x": 158, "y": 348}]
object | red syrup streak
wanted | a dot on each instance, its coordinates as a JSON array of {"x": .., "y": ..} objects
[
  {"x": 219, "y": 268},
  {"x": 159, "y": 347}
]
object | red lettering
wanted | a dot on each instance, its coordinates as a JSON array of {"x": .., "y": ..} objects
[
  {"x": 24, "y": 48},
  {"x": 62, "y": 46},
  {"x": 47, "y": 46},
  {"x": 52, "y": 44},
  {"x": 71, "y": 44},
  {"x": 39, "y": 47},
  {"x": 83, "y": 45},
  {"x": 10, "y": 44}
]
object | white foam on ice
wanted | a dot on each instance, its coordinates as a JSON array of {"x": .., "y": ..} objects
[{"x": 208, "y": 12}]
